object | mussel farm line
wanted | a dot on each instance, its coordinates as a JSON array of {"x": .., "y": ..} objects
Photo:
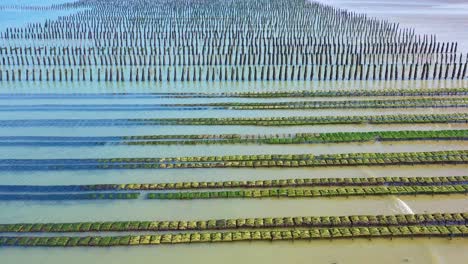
[
  {"x": 139, "y": 41},
  {"x": 242, "y": 161},
  {"x": 258, "y": 184},
  {"x": 405, "y": 231},
  {"x": 348, "y": 104},
  {"x": 247, "y": 121},
  {"x": 360, "y": 188},
  {"x": 251, "y": 94},
  {"x": 288, "y": 188},
  {"x": 291, "y": 193},
  {"x": 314, "y": 193},
  {"x": 434, "y": 219},
  {"x": 69, "y": 196},
  {"x": 203, "y": 139}
]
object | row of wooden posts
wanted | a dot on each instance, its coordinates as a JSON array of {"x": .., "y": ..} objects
[
  {"x": 242, "y": 40},
  {"x": 228, "y": 60},
  {"x": 233, "y": 48},
  {"x": 250, "y": 73}
]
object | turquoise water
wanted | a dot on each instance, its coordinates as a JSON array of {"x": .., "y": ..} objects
[
  {"x": 352, "y": 252},
  {"x": 12, "y": 16},
  {"x": 216, "y": 87},
  {"x": 422, "y": 251},
  {"x": 206, "y": 150},
  {"x": 448, "y": 19}
]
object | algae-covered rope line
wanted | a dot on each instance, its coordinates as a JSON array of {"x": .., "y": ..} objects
[
  {"x": 441, "y": 219},
  {"x": 273, "y": 94},
  {"x": 306, "y": 182},
  {"x": 255, "y": 193},
  {"x": 243, "y": 161},
  {"x": 298, "y": 138},
  {"x": 313, "y": 193},
  {"x": 304, "y": 105},
  {"x": 407, "y": 231},
  {"x": 254, "y": 121},
  {"x": 69, "y": 196}
]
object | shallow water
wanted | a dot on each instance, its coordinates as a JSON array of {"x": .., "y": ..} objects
[
  {"x": 421, "y": 251},
  {"x": 5, "y": 115},
  {"x": 177, "y": 130},
  {"x": 73, "y": 211},
  {"x": 218, "y": 87},
  {"x": 223, "y": 150},
  {"x": 12, "y": 16},
  {"x": 447, "y": 19},
  {"x": 184, "y": 175}
]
